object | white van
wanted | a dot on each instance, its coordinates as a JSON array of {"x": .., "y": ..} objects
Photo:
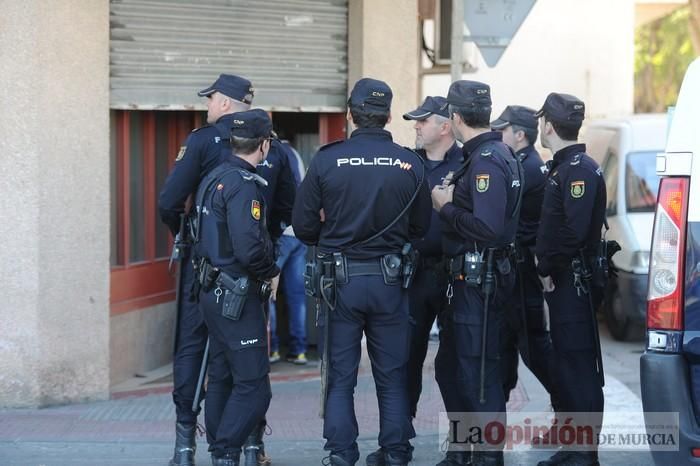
[
  {"x": 626, "y": 150},
  {"x": 670, "y": 367}
]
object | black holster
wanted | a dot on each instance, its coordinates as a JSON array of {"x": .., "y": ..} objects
[{"x": 235, "y": 295}]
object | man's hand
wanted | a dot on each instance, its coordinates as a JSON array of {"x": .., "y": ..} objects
[
  {"x": 547, "y": 284},
  {"x": 441, "y": 195},
  {"x": 322, "y": 215},
  {"x": 274, "y": 284}
]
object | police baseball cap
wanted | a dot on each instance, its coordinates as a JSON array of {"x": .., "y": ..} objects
[
  {"x": 563, "y": 108},
  {"x": 371, "y": 94},
  {"x": 232, "y": 86},
  {"x": 515, "y": 115},
  {"x": 251, "y": 124},
  {"x": 431, "y": 106},
  {"x": 469, "y": 94}
]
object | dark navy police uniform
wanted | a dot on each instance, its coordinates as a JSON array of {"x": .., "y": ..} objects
[
  {"x": 532, "y": 342},
  {"x": 233, "y": 238},
  {"x": 427, "y": 293},
  {"x": 573, "y": 213},
  {"x": 362, "y": 184},
  {"x": 201, "y": 153},
  {"x": 482, "y": 215}
]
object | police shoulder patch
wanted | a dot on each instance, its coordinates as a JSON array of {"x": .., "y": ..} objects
[
  {"x": 578, "y": 188},
  {"x": 181, "y": 153},
  {"x": 255, "y": 209},
  {"x": 482, "y": 183}
]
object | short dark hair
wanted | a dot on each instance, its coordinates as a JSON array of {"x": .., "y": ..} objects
[
  {"x": 474, "y": 117},
  {"x": 364, "y": 119},
  {"x": 565, "y": 132},
  {"x": 530, "y": 133},
  {"x": 245, "y": 146}
]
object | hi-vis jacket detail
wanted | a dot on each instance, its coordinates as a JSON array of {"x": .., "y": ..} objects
[
  {"x": 362, "y": 184},
  {"x": 232, "y": 231}
]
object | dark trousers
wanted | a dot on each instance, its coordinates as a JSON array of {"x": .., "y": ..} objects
[
  {"x": 366, "y": 304},
  {"x": 513, "y": 339},
  {"x": 190, "y": 341},
  {"x": 573, "y": 362},
  {"x": 466, "y": 320},
  {"x": 426, "y": 301},
  {"x": 238, "y": 393}
]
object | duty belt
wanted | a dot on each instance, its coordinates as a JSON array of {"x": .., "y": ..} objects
[
  {"x": 455, "y": 265},
  {"x": 356, "y": 268}
]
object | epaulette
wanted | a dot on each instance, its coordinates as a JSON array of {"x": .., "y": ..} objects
[
  {"x": 576, "y": 160},
  {"x": 332, "y": 143},
  {"x": 486, "y": 153},
  {"x": 249, "y": 176},
  {"x": 201, "y": 127}
]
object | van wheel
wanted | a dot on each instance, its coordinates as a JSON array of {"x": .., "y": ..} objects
[{"x": 619, "y": 323}]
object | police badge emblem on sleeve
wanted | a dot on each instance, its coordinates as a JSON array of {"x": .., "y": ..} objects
[
  {"x": 482, "y": 183},
  {"x": 577, "y": 189},
  {"x": 255, "y": 210}
]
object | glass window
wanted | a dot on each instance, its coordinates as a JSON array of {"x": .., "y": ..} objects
[
  {"x": 610, "y": 173},
  {"x": 137, "y": 237},
  {"x": 641, "y": 181}
]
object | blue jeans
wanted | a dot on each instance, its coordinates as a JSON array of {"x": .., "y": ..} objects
[{"x": 291, "y": 261}]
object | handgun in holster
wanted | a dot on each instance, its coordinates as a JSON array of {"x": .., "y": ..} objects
[{"x": 235, "y": 294}]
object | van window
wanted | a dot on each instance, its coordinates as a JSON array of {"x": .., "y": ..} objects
[
  {"x": 641, "y": 181},
  {"x": 610, "y": 170}
]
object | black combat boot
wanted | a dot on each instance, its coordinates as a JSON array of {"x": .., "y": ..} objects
[
  {"x": 254, "y": 448},
  {"x": 391, "y": 459},
  {"x": 376, "y": 458},
  {"x": 185, "y": 445},
  {"x": 487, "y": 458},
  {"x": 336, "y": 460},
  {"x": 456, "y": 458},
  {"x": 232, "y": 459}
]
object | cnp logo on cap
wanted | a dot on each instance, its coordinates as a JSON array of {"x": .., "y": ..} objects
[{"x": 371, "y": 94}]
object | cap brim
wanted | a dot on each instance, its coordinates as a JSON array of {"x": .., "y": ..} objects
[
  {"x": 499, "y": 124},
  {"x": 205, "y": 92},
  {"x": 538, "y": 113},
  {"x": 417, "y": 114}
]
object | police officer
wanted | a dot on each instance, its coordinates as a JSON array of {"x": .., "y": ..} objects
[
  {"x": 479, "y": 217},
  {"x": 201, "y": 152},
  {"x": 573, "y": 213},
  {"x": 361, "y": 201},
  {"x": 442, "y": 156},
  {"x": 236, "y": 259},
  {"x": 524, "y": 327}
]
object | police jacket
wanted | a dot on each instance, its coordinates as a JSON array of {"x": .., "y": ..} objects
[
  {"x": 201, "y": 152},
  {"x": 534, "y": 178},
  {"x": 362, "y": 184},
  {"x": 483, "y": 212},
  {"x": 431, "y": 244},
  {"x": 232, "y": 232},
  {"x": 573, "y": 210},
  {"x": 281, "y": 188}
]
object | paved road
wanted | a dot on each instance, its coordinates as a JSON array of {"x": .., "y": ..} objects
[{"x": 137, "y": 430}]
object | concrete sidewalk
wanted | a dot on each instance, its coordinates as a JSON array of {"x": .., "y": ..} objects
[{"x": 136, "y": 427}]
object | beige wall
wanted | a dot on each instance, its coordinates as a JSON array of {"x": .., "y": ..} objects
[
  {"x": 581, "y": 48},
  {"x": 141, "y": 341},
  {"x": 383, "y": 44},
  {"x": 54, "y": 195}
]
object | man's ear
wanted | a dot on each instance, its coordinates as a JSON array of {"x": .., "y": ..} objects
[
  {"x": 389, "y": 119},
  {"x": 348, "y": 116}
]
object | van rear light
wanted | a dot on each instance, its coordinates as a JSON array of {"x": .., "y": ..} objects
[{"x": 666, "y": 272}]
